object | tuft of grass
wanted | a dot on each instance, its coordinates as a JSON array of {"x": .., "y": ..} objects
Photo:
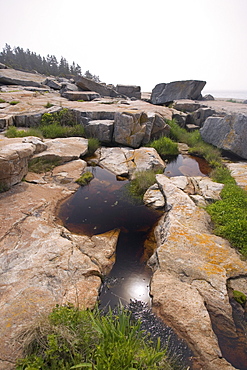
[
  {"x": 142, "y": 181},
  {"x": 48, "y": 105},
  {"x": 164, "y": 146},
  {"x": 41, "y": 164},
  {"x": 2, "y": 101},
  {"x": 85, "y": 178},
  {"x": 93, "y": 145},
  {"x": 54, "y": 130},
  {"x": 70, "y": 338},
  {"x": 14, "y": 102},
  {"x": 13, "y": 132}
]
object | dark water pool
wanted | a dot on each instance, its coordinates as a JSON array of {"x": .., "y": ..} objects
[{"x": 186, "y": 165}]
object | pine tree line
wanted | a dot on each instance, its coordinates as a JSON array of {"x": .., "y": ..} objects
[{"x": 26, "y": 60}]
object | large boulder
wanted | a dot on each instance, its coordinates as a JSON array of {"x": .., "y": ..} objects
[
  {"x": 87, "y": 84},
  {"x": 228, "y": 133},
  {"x": 131, "y": 91},
  {"x": 199, "y": 116},
  {"x": 164, "y": 93},
  {"x": 192, "y": 268},
  {"x": 14, "y": 77},
  {"x": 80, "y": 95},
  {"x": 130, "y": 128},
  {"x": 101, "y": 129}
]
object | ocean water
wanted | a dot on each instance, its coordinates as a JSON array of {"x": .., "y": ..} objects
[{"x": 227, "y": 94}]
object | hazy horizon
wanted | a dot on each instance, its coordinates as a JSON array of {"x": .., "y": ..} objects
[{"x": 136, "y": 42}]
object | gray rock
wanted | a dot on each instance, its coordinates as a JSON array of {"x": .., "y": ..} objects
[
  {"x": 154, "y": 198},
  {"x": 80, "y": 95},
  {"x": 67, "y": 86},
  {"x": 208, "y": 97},
  {"x": 186, "y": 105},
  {"x": 86, "y": 84},
  {"x": 227, "y": 133},
  {"x": 131, "y": 91},
  {"x": 199, "y": 116},
  {"x": 3, "y": 66},
  {"x": 180, "y": 118},
  {"x": 54, "y": 84},
  {"x": 100, "y": 129},
  {"x": 14, "y": 77},
  {"x": 28, "y": 119},
  {"x": 6, "y": 121},
  {"x": 164, "y": 93}
]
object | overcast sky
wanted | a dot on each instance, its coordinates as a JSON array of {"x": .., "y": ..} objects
[{"x": 136, "y": 41}]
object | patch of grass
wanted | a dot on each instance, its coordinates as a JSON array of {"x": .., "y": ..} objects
[
  {"x": 48, "y": 105},
  {"x": 54, "y": 130},
  {"x": 230, "y": 217},
  {"x": 232, "y": 101},
  {"x": 2, "y": 101},
  {"x": 13, "y": 132},
  {"x": 85, "y": 178},
  {"x": 74, "y": 339},
  {"x": 14, "y": 102},
  {"x": 93, "y": 145},
  {"x": 142, "y": 181},
  {"x": 64, "y": 117},
  {"x": 80, "y": 100},
  {"x": 41, "y": 164},
  {"x": 164, "y": 146}
]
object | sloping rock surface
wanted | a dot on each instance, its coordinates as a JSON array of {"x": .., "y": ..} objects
[
  {"x": 227, "y": 133},
  {"x": 167, "y": 92},
  {"x": 13, "y": 77},
  {"x": 190, "y": 280},
  {"x": 87, "y": 84}
]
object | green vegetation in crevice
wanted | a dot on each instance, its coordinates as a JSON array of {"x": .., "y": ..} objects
[
  {"x": 142, "y": 181},
  {"x": 85, "y": 178},
  {"x": 164, "y": 146},
  {"x": 14, "y": 102},
  {"x": 239, "y": 297},
  {"x": 2, "y": 101},
  {"x": 93, "y": 145},
  {"x": 41, "y": 164},
  {"x": 70, "y": 338},
  {"x": 48, "y": 105}
]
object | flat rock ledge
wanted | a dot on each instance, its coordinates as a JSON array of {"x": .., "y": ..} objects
[{"x": 191, "y": 270}]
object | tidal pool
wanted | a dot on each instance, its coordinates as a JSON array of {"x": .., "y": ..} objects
[{"x": 186, "y": 165}]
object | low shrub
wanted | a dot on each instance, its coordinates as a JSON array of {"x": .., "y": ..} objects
[
  {"x": 41, "y": 164},
  {"x": 73, "y": 339},
  {"x": 85, "y": 178},
  {"x": 164, "y": 146},
  {"x": 64, "y": 117},
  {"x": 13, "y": 132}
]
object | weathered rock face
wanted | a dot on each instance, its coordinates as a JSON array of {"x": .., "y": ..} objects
[
  {"x": 42, "y": 264},
  {"x": 129, "y": 90},
  {"x": 100, "y": 129},
  {"x": 14, "y": 159},
  {"x": 227, "y": 133},
  {"x": 239, "y": 171},
  {"x": 13, "y": 77},
  {"x": 199, "y": 116},
  {"x": 125, "y": 161},
  {"x": 164, "y": 93},
  {"x": 191, "y": 271},
  {"x": 129, "y": 128},
  {"x": 86, "y": 84},
  {"x": 53, "y": 83},
  {"x": 64, "y": 149}
]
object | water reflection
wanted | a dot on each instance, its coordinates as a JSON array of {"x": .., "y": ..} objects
[{"x": 185, "y": 165}]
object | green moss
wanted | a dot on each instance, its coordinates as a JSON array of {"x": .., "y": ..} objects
[
  {"x": 41, "y": 164},
  {"x": 85, "y": 178},
  {"x": 239, "y": 297},
  {"x": 2, "y": 101}
]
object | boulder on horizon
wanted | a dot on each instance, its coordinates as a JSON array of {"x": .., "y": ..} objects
[
  {"x": 13, "y": 77},
  {"x": 131, "y": 91},
  {"x": 87, "y": 84},
  {"x": 165, "y": 93}
]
